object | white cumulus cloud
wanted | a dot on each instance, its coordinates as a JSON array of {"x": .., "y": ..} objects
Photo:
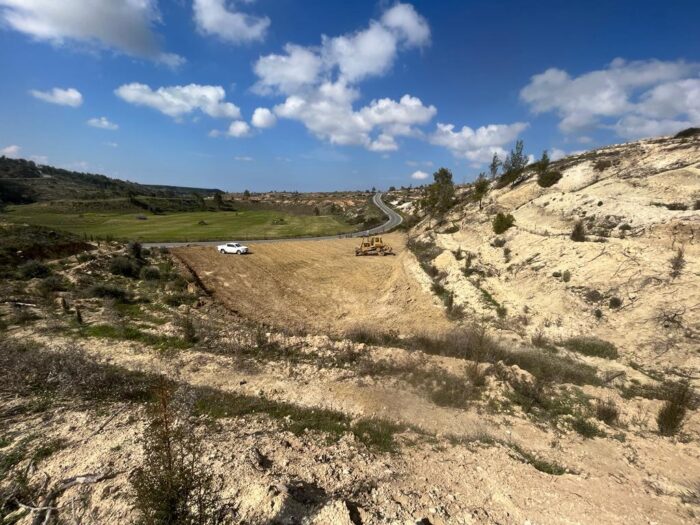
[
  {"x": 419, "y": 175},
  {"x": 125, "y": 25},
  {"x": 177, "y": 101},
  {"x": 214, "y": 17},
  {"x": 635, "y": 98},
  {"x": 238, "y": 129},
  {"x": 102, "y": 123},
  {"x": 11, "y": 151},
  {"x": 63, "y": 97},
  {"x": 263, "y": 118},
  {"x": 477, "y": 146}
]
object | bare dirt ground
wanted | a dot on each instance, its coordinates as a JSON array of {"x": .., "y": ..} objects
[{"x": 320, "y": 286}]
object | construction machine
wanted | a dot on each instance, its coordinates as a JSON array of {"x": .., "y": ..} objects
[{"x": 373, "y": 245}]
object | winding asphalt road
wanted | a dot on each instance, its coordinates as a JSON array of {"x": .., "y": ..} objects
[{"x": 394, "y": 219}]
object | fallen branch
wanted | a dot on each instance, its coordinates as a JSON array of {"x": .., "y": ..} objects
[{"x": 47, "y": 505}]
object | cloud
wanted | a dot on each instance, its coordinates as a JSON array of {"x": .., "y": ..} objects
[
  {"x": 238, "y": 129},
  {"x": 320, "y": 83},
  {"x": 102, "y": 123},
  {"x": 213, "y": 17},
  {"x": 11, "y": 151},
  {"x": 287, "y": 73},
  {"x": 556, "y": 154},
  {"x": 651, "y": 94},
  {"x": 419, "y": 175},
  {"x": 126, "y": 26},
  {"x": 263, "y": 118},
  {"x": 63, "y": 97},
  {"x": 176, "y": 101},
  {"x": 477, "y": 146},
  {"x": 243, "y": 158},
  {"x": 111, "y": 144},
  {"x": 410, "y": 26}
]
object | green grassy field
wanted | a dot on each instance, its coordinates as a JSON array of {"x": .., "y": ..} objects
[{"x": 181, "y": 226}]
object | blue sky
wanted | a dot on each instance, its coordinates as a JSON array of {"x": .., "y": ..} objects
[{"x": 283, "y": 94}]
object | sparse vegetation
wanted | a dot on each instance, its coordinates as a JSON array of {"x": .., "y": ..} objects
[
  {"x": 677, "y": 263},
  {"x": 679, "y": 398},
  {"x": 607, "y": 411},
  {"x": 578, "y": 234},
  {"x": 592, "y": 346},
  {"x": 502, "y": 222}
]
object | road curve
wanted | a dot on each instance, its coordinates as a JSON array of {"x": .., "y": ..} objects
[{"x": 394, "y": 219}]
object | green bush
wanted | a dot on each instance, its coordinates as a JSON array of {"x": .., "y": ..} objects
[
  {"x": 615, "y": 302},
  {"x": 679, "y": 397},
  {"x": 502, "y": 222},
  {"x": 108, "y": 291},
  {"x": 548, "y": 178},
  {"x": 586, "y": 428},
  {"x": 149, "y": 273},
  {"x": 124, "y": 266},
  {"x": 592, "y": 346},
  {"x": 52, "y": 283},
  {"x": 33, "y": 269}
]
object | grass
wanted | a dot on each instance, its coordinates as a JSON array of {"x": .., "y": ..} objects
[
  {"x": 473, "y": 343},
  {"x": 592, "y": 346},
  {"x": 179, "y": 227},
  {"x": 69, "y": 372},
  {"x": 127, "y": 333}
]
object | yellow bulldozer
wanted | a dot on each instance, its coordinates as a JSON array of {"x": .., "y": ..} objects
[{"x": 373, "y": 245}]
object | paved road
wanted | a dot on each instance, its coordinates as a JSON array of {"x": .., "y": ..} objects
[{"x": 394, "y": 220}]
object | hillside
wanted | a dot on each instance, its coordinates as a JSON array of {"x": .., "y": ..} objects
[
  {"x": 23, "y": 181},
  {"x": 475, "y": 377},
  {"x": 639, "y": 204}
]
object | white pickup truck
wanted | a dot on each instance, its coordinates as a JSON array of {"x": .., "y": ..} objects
[{"x": 232, "y": 247}]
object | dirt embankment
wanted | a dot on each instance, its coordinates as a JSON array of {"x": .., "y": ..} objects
[{"x": 320, "y": 286}]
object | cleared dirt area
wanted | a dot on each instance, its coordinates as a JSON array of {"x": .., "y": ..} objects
[{"x": 320, "y": 285}]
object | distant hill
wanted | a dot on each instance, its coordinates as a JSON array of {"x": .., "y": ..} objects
[{"x": 23, "y": 181}]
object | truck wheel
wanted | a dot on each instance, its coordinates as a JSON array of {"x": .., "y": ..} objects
[{"x": 223, "y": 251}]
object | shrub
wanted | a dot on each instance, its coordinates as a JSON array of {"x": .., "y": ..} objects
[
  {"x": 108, "y": 291},
  {"x": 677, "y": 263},
  {"x": 502, "y": 222},
  {"x": 615, "y": 302},
  {"x": 578, "y": 234},
  {"x": 52, "y": 283},
  {"x": 174, "y": 484},
  {"x": 607, "y": 411},
  {"x": 602, "y": 164},
  {"x": 33, "y": 269},
  {"x": 566, "y": 276},
  {"x": 124, "y": 266},
  {"x": 679, "y": 397},
  {"x": 677, "y": 206},
  {"x": 548, "y": 178},
  {"x": 593, "y": 296},
  {"x": 134, "y": 249},
  {"x": 592, "y": 346},
  {"x": 187, "y": 327},
  {"x": 149, "y": 273},
  {"x": 498, "y": 242},
  {"x": 586, "y": 428}
]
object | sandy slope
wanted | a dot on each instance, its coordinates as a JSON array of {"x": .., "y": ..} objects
[{"x": 320, "y": 285}]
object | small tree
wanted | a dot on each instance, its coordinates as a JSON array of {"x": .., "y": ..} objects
[
  {"x": 679, "y": 398},
  {"x": 516, "y": 159},
  {"x": 246, "y": 194},
  {"x": 218, "y": 200},
  {"x": 543, "y": 163},
  {"x": 440, "y": 194},
  {"x": 317, "y": 212},
  {"x": 495, "y": 166},
  {"x": 480, "y": 188},
  {"x": 174, "y": 484}
]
